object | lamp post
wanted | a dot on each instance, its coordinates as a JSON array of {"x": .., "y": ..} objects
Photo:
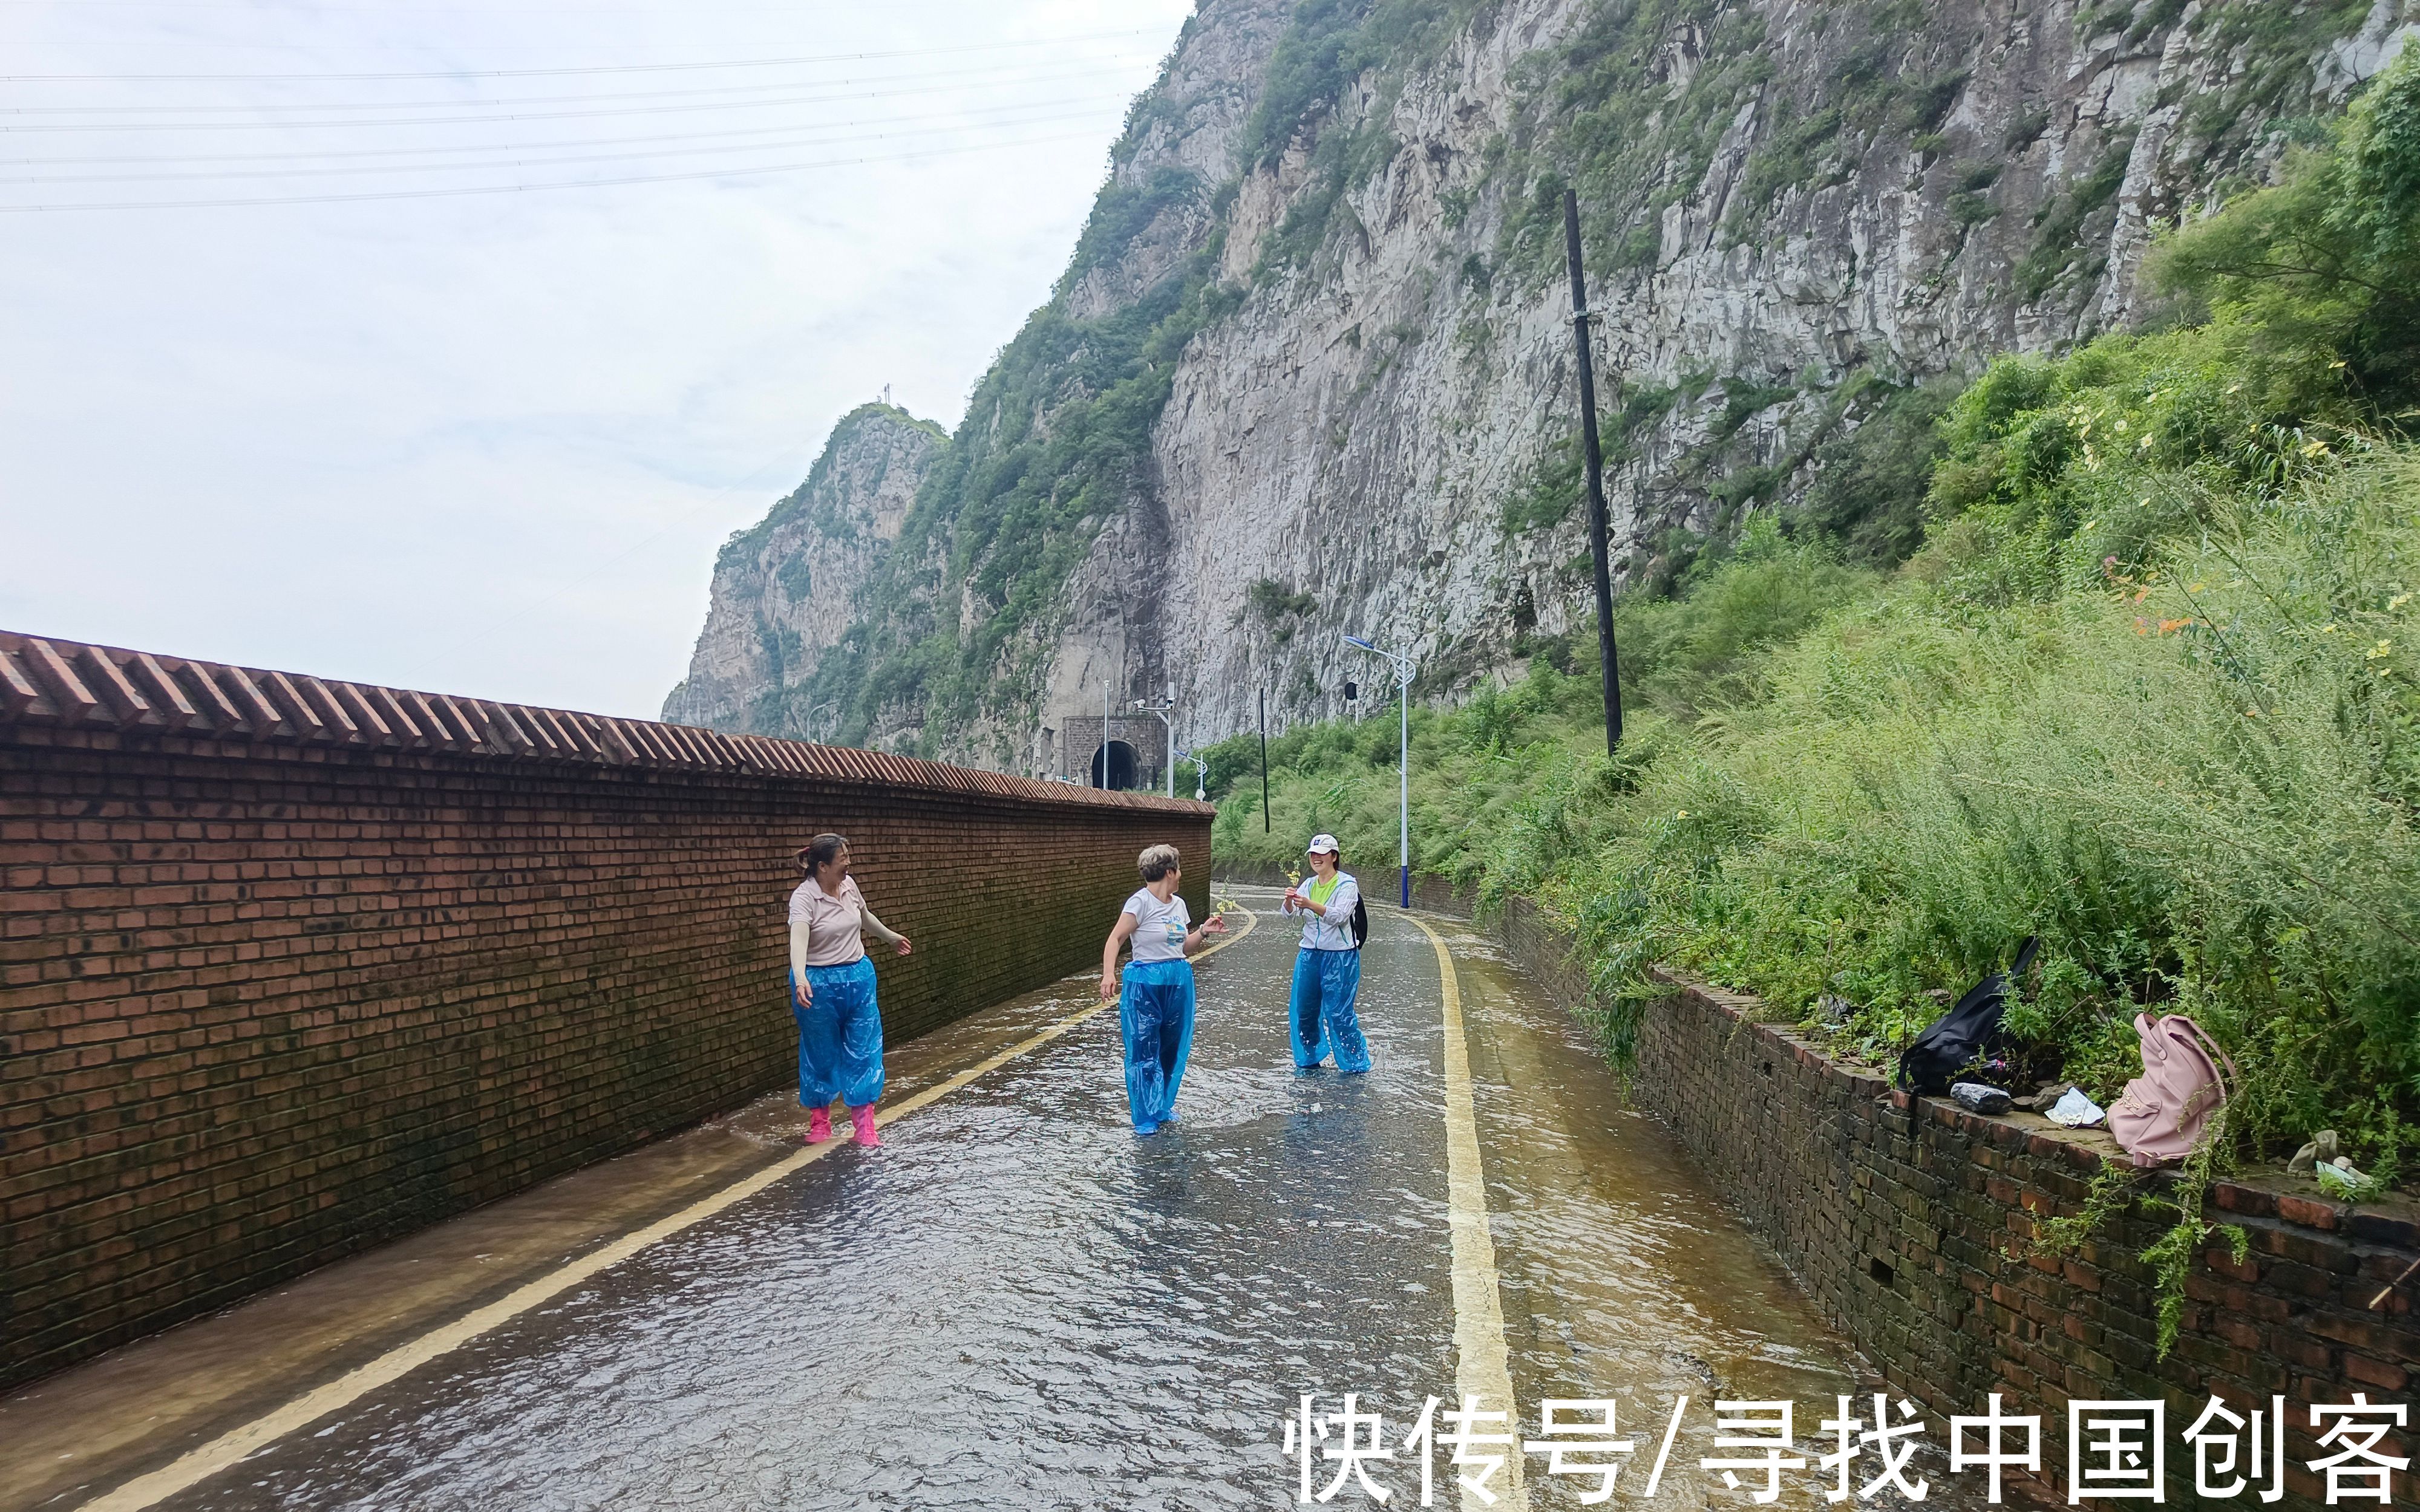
[
  {"x": 1402, "y": 661},
  {"x": 1164, "y": 708},
  {"x": 1265, "y": 761}
]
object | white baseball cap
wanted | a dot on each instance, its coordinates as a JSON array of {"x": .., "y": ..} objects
[{"x": 1322, "y": 843}]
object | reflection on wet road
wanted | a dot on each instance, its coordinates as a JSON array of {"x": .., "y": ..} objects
[{"x": 1015, "y": 1303}]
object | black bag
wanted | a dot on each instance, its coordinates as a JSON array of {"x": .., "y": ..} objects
[
  {"x": 1966, "y": 1031},
  {"x": 1360, "y": 919}
]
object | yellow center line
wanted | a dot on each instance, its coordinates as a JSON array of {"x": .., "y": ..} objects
[
  {"x": 1485, "y": 1371},
  {"x": 198, "y": 1464}
]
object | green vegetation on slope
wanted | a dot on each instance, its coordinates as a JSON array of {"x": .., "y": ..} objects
[
  {"x": 2146, "y": 689},
  {"x": 1632, "y": 108},
  {"x": 1052, "y": 445},
  {"x": 746, "y": 544},
  {"x": 1327, "y": 46}
]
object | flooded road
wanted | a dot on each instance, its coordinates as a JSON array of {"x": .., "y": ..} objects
[{"x": 1017, "y": 1302}]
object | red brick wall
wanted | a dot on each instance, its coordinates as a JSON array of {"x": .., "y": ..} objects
[
  {"x": 1910, "y": 1227},
  {"x": 263, "y": 1004}
]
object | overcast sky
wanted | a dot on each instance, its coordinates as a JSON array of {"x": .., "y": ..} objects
[{"x": 489, "y": 443}]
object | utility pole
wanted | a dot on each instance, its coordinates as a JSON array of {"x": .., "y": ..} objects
[
  {"x": 1597, "y": 547},
  {"x": 1402, "y": 662},
  {"x": 1265, "y": 761}
]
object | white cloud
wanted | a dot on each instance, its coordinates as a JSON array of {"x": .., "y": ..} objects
[{"x": 489, "y": 444}]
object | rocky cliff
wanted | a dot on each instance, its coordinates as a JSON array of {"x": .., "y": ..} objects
[
  {"x": 784, "y": 591},
  {"x": 1310, "y": 370}
]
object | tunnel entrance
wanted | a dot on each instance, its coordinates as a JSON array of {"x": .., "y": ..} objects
[{"x": 1120, "y": 759}]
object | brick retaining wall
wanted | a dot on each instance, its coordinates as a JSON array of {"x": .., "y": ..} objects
[
  {"x": 269, "y": 998},
  {"x": 1909, "y": 1225}
]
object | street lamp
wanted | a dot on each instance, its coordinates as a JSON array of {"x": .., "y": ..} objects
[
  {"x": 1201, "y": 773},
  {"x": 1402, "y": 661},
  {"x": 1164, "y": 709}
]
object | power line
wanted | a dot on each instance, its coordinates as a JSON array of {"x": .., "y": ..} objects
[
  {"x": 554, "y": 74},
  {"x": 972, "y": 114},
  {"x": 516, "y": 189},
  {"x": 527, "y": 99},
  {"x": 526, "y": 115},
  {"x": 383, "y": 10},
  {"x": 817, "y": 140}
]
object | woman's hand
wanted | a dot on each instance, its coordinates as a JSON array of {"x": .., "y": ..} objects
[
  {"x": 1215, "y": 924},
  {"x": 1109, "y": 985},
  {"x": 903, "y": 945},
  {"x": 1293, "y": 900},
  {"x": 804, "y": 994}
]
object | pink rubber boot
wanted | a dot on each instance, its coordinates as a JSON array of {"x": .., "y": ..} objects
[
  {"x": 818, "y": 1126},
  {"x": 864, "y": 1117}
]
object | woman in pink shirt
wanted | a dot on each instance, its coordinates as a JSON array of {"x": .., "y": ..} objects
[{"x": 831, "y": 991}]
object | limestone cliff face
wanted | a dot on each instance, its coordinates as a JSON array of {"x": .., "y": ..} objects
[
  {"x": 786, "y": 592},
  {"x": 1326, "y": 275},
  {"x": 1352, "y": 434}
]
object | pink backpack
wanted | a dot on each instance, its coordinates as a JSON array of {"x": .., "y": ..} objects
[{"x": 2162, "y": 1113}]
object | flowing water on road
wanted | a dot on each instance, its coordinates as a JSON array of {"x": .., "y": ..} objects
[{"x": 1015, "y": 1303}]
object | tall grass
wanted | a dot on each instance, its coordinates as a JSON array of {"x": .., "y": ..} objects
[{"x": 2192, "y": 774}]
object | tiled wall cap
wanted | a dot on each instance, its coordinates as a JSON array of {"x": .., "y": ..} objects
[{"x": 66, "y": 682}]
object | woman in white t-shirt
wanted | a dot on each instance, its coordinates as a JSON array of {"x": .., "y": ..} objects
[
  {"x": 1156, "y": 1002},
  {"x": 831, "y": 991}
]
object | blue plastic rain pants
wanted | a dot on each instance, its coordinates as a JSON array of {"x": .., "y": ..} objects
[
  {"x": 840, "y": 1038},
  {"x": 1156, "y": 1014},
  {"x": 1322, "y": 1017}
]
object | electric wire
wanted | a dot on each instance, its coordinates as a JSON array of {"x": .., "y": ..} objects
[
  {"x": 921, "y": 74},
  {"x": 803, "y": 60},
  {"x": 527, "y": 115},
  {"x": 972, "y": 114},
  {"x": 754, "y": 171},
  {"x": 822, "y": 139}
]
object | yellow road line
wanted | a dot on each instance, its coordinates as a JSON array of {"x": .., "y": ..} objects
[
  {"x": 1485, "y": 1371},
  {"x": 197, "y": 1465}
]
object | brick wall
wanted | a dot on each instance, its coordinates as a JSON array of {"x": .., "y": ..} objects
[
  {"x": 1909, "y": 1225},
  {"x": 266, "y": 1001}
]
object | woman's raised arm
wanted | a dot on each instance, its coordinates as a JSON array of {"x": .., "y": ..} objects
[{"x": 878, "y": 927}]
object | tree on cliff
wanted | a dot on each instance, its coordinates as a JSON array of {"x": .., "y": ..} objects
[{"x": 2315, "y": 281}]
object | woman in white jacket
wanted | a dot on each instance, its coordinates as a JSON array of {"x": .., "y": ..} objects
[{"x": 1327, "y": 970}]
